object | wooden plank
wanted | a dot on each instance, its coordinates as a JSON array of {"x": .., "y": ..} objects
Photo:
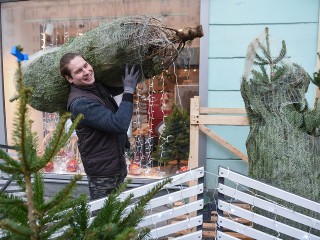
[
  {"x": 212, "y": 166},
  {"x": 263, "y": 221},
  {"x": 219, "y": 75},
  {"x": 206, "y": 110},
  {"x": 140, "y": 191},
  {"x": 176, "y": 227},
  {"x": 225, "y": 99},
  {"x": 243, "y": 229},
  {"x": 228, "y": 41},
  {"x": 193, "y": 161},
  {"x": 224, "y": 143},
  {"x": 249, "y": 11},
  {"x": 191, "y": 236},
  {"x": 220, "y": 78},
  {"x": 223, "y": 120},
  {"x": 170, "y": 214},
  {"x": 270, "y": 190},
  {"x": 269, "y": 206},
  {"x": 216, "y": 151}
]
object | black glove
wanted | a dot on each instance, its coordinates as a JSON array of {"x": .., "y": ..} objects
[{"x": 130, "y": 80}]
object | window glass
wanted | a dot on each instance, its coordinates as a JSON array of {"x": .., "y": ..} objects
[{"x": 38, "y": 25}]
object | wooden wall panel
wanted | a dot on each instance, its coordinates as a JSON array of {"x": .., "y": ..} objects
[
  {"x": 230, "y": 41},
  {"x": 212, "y": 167},
  {"x": 225, "y": 74},
  {"x": 262, "y": 11},
  {"x": 225, "y": 99},
  {"x": 235, "y": 135},
  {"x": 233, "y": 24}
]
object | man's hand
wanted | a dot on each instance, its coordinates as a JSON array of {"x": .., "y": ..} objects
[{"x": 130, "y": 80}]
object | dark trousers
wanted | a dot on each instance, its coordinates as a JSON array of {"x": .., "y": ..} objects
[{"x": 100, "y": 187}]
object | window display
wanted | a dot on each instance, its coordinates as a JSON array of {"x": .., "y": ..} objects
[{"x": 47, "y": 25}]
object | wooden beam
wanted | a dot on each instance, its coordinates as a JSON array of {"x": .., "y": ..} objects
[
  {"x": 223, "y": 142},
  {"x": 193, "y": 161},
  {"x": 221, "y": 120},
  {"x": 206, "y": 110},
  {"x": 194, "y": 133}
]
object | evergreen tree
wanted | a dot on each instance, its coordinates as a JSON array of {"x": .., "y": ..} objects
[
  {"x": 174, "y": 141},
  {"x": 37, "y": 218}
]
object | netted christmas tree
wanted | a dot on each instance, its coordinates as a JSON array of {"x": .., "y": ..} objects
[
  {"x": 174, "y": 141},
  {"x": 143, "y": 41},
  {"x": 283, "y": 144},
  {"x": 37, "y": 217}
]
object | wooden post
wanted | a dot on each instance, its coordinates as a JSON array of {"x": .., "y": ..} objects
[
  {"x": 193, "y": 161},
  {"x": 194, "y": 132}
]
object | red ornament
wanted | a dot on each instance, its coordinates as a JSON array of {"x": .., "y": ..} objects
[
  {"x": 49, "y": 167},
  {"x": 183, "y": 169},
  {"x": 72, "y": 165},
  {"x": 135, "y": 169}
]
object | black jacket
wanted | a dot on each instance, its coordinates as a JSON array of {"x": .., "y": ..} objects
[{"x": 102, "y": 134}]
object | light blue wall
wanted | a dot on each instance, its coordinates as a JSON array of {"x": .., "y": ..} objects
[{"x": 232, "y": 25}]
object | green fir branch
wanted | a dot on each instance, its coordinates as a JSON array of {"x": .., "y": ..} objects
[
  {"x": 38, "y": 189},
  {"x": 316, "y": 79},
  {"x": 261, "y": 60},
  {"x": 126, "y": 234},
  {"x": 5, "y": 168},
  {"x": 61, "y": 195},
  {"x": 279, "y": 73},
  {"x": 265, "y": 52},
  {"x": 107, "y": 210},
  {"x": 79, "y": 222},
  {"x": 56, "y": 226},
  {"x": 15, "y": 227},
  {"x": 9, "y": 160},
  {"x": 265, "y": 77},
  {"x": 267, "y": 41},
  {"x": 136, "y": 214},
  {"x": 282, "y": 53}
]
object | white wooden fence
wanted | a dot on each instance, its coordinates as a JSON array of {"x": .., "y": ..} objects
[
  {"x": 226, "y": 208},
  {"x": 186, "y": 187}
]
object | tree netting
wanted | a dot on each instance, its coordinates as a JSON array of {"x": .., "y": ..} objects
[
  {"x": 143, "y": 41},
  {"x": 284, "y": 142}
]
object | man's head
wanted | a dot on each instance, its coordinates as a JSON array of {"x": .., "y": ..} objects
[{"x": 76, "y": 70}]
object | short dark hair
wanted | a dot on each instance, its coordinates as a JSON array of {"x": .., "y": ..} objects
[{"x": 65, "y": 60}]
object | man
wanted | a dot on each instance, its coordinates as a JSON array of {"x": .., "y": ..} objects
[{"x": 102, "y": 134}]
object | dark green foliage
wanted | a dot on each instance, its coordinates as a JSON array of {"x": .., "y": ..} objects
[
  {"x": 174, "y": 141},
  {"x": 316, "y": 77},
  {"x": 113, "y": 221},
  {"x": 284, "y": 142},
  {"x": 143, "y": 41}
]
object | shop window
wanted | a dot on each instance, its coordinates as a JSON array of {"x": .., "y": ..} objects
[{"x": 39, "y": 25}]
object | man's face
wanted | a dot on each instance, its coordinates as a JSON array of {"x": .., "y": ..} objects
[{"x": 81, "y": 72}]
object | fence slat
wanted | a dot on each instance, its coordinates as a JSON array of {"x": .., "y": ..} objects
[
  {"x": 176, "y": 227},
  {"x": 265, "y": 188},
  {"x": 175, "y": 196},
  {"x": 171, "y": 213},
  {"x": 269, "y": 206},
  {"x": 243, "y": 229},
  {"x": 191, "y": 236},
  {"x": 224, "y": 236},
  {"x": 177, "y": 180},
  {"x": 264, "y": 221}
]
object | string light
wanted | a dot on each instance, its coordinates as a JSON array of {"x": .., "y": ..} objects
[{"x": 256, "y": 196}]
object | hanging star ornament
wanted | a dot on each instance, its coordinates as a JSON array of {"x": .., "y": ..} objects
[{"x": 17, "y": 52}]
